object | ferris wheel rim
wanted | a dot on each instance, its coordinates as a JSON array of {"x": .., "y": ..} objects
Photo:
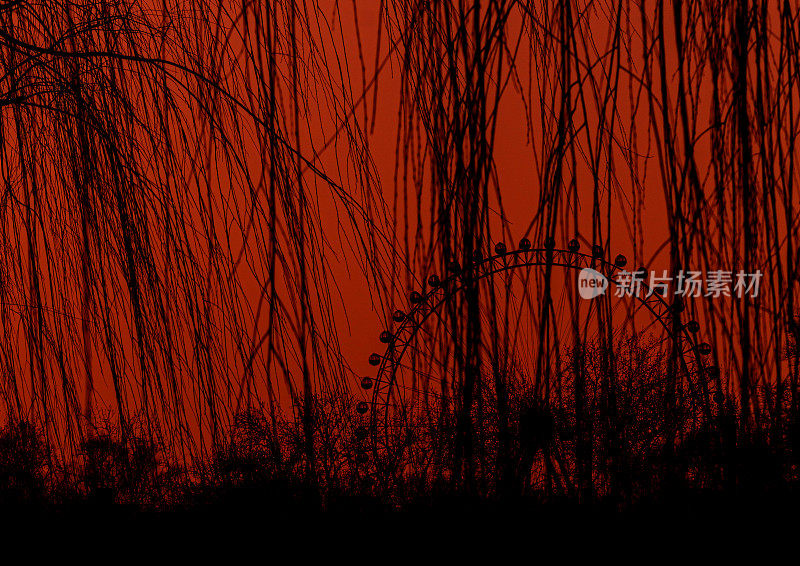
[{"x": 508, "y": 260}]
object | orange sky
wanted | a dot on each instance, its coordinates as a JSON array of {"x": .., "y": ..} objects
[{"x": 347, "y": 60}]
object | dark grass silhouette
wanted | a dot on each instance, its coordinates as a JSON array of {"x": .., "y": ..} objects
[{"x": 263, "y": 466}]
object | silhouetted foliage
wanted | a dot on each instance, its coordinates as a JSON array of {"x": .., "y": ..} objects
[{"x": 187, "y": 188}]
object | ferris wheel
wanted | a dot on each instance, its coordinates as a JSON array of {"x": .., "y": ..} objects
[{"x": 536, "y": 332}]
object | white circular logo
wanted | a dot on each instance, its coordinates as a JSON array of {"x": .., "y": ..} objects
[{"x": 591, "y": 283}]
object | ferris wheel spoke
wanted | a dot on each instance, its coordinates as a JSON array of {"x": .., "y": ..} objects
[{"x": 522, "y": 335}]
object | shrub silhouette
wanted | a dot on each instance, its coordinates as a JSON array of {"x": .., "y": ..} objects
[{"x": 23, "y": 464}]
